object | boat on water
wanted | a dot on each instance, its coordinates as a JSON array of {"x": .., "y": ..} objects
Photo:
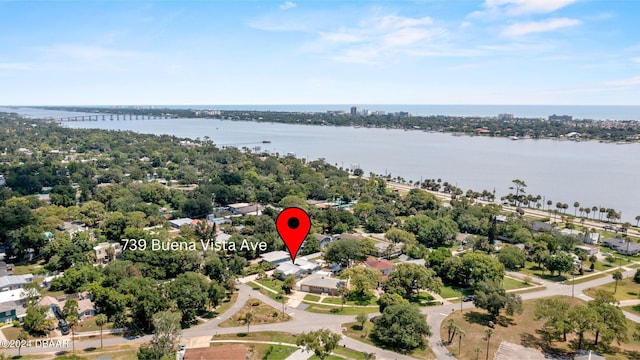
[
  {"x": 266, "y": 141},
  {"x": 514, "y": 138}
]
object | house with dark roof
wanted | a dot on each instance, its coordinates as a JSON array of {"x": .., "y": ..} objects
[{"x": 537, "y": 227}]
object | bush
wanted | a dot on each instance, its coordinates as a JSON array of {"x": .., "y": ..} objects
[
  {"x": 275, "y": 314},
  {"x": 636, "y": 277},
  {"x": 255, "y": 303},
  {"x": 16, "y": 323}
]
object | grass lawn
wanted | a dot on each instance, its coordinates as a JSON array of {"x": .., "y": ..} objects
[
  {"x": 330, "y": 357},
  {"x": 633, "y": 266},
  {"x": 310, "y": 297},
  {"x": 449, "y": 291},
  {"x": 124, "y": 354},
  {"x": 26, "y": 268},
  {"x": 635, "y": 309},
  {"x": 510, "y": 284},
  {"x": 275, "y": 285},
  {"x": 90, "y": 325},
  {"x": 226, "y": 305},
  {"x": 348, "y": 353},
  {"x": 588, "y": 278},
  {"x": 532, "y": 269},
  {"x": 424, "y": 299},
  {"x": 268, "y": 351},
  {"x": 355, "y": 331},
  {"x": 315, "y": 308},
  {"x": 604, "y": 266},
  {"x": 627, "y": 289},
  {"x": 262, "y": 314},
  {"x": 274, "y": 336},
  {"x": 352, "y": 299},
  {"x": 521, "y": 329}
]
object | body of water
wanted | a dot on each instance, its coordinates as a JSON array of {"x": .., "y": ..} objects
[{"x": 592, "y": 173}]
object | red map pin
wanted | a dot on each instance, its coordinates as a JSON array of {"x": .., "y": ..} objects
[{"x": 293, "y": 225}]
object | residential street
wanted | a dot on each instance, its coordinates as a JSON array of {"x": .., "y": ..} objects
[{"x": 305, "y": 321}]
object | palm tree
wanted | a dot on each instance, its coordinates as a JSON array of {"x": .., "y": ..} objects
[
  {"x": 488, "y": 333},
  {"x": 343, "y": 291},
  {"x": 460, "y": 335},
  {"x": 637, "y": 220},
  {"x": 101, "y": 319},
  {"x": 587, "y": 211},
  {"x": 549, "y": 203},
  {"x": 575, "y": 208},
  {"x": 594, "y": 209},
  {"x": 248, "y": 318},
  {"x": 72, "y": 322},
  {"x": 617, "y": 276}
]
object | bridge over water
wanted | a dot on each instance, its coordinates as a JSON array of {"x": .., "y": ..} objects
[{"x": 111, "y": 117}]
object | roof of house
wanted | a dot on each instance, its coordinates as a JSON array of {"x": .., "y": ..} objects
[
  {"x": 305, "y": 264},
  {"x": 237, "y": 205},
  {"x": 48, "y": 301},
  {"x": 380, "y": 264},
  {"x": 11, "y": 295},
  {"x": 289, "y": 268},
  {"x": 541, "y": 226},
  {"x": 15, "y": 280},
  {"x": 84, "y": 305},
  {"x": 275, "y": 256},
  {"x": 571, "y": 232},
  {"x": 226, "y": 351},
  {"x": 181, "y": 221},
  {"x": 321, "y": 280}
]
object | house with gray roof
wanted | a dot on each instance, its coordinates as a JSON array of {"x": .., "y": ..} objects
[
  {"x": 321, "y": 283},
  {"x": 12, "y": 282}
]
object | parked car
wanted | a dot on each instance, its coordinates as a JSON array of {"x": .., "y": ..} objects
[
  {"x": 62, "y": 323},
  {"x": 64, "y": 330},
  {"x": 467, "y": 298}
]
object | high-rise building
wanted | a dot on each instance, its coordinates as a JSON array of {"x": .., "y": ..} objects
[{"x": 354, "y": 111}]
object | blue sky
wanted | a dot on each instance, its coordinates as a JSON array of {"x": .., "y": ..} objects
[{"x": 320, "y": 52}]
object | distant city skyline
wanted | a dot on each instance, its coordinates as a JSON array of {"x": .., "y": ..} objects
[{"x": 549, "y": 52}]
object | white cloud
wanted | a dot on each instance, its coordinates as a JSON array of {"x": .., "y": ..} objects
[
  {"x": 378, "y": 36},
  {"x": 523, "y": 28},
  {"x": 493, "y": 8},
  {"x": 288, "y": 5}
]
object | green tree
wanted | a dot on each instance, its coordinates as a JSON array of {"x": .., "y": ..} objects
[
  {"x": 166, "y": 334},
  {"x": 362, "y": 319},
  {"x": 322, "y": 342},
  {"x": 512, "y": 257},
  {"x": 400, "y": 236},
  {"x": 288, "y": 283},
  {"x": 488, "y": 333},
  {"x": 489, "y": 295},
  {"x": 101, "y": 320},
  {"x": 22, "y": 337},
  {"x": 35, "y": 322},
  {"x": 408, "y": 278},
  {"x": 362, "y": 279},
  {"x": 401, "y": 327},
  {"x": 584, "y": 318},
  {"x": 342, "y": 251},
  {"x": 617, "y": 276},
  {"x": 611, "y": 322},
  {"x": 388, "y": 299},
  {"x": 556, "y": 311},
  {"x": 70, "y": 308},
  {"x": 559, "y": 262},
  {"x": 72, "y": 323},
  {"x": 248, "y": 319},
  {"x": 189, "y": 291}
]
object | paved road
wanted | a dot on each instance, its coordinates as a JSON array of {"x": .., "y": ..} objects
[{"x": 305, "y": 321}]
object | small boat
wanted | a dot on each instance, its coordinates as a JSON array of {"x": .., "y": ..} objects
[
  {"x": 266, "y": 141},
  {"x": 514, "y": 138}
]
